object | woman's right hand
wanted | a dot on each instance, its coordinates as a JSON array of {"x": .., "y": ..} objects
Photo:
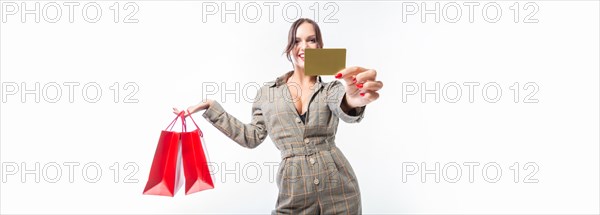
[{"x": 195, "y": 108}]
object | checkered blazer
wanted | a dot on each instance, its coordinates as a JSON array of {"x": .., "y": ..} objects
[{"x": 314, "y": 177}]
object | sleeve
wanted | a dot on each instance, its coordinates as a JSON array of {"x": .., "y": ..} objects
[
  {"x": 336, "y": 94},
  {"x": 247, "y": 135}
]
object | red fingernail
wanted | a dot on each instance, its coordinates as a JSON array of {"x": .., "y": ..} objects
[
  {"x": 338, "y": 76},
  {"x": 359, "y": 85},
  {"x": 353, "y": 80},
  {"x": 362, "y": 94}
]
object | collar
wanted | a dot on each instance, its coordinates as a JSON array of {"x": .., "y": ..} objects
[{"x": 281, "y": 80}]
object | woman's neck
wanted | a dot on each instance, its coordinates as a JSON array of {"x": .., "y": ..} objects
[{"x": 299, "y": 77}]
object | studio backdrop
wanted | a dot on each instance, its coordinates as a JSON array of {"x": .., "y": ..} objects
[{"x": 487, "y": 106}]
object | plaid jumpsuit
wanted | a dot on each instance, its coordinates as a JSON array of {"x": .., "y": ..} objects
[{"x": 313, "y": 177}]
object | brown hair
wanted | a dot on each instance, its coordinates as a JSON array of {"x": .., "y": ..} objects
[{"x": 292, "y": 36}]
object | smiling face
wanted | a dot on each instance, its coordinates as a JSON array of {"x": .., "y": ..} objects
[
  {"x": 305, "y": 39},
  {"x": 304, "y": 34}
]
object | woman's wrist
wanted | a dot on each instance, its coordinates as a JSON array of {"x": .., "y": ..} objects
[
  {"x": 209, "y": 102},
  {"x": 344, "y": 105}
]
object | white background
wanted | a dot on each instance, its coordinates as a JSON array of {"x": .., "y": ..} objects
[{"x": 170, "y": 53}]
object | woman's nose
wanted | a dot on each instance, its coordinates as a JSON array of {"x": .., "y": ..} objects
[{"x": 303, "y": 45}]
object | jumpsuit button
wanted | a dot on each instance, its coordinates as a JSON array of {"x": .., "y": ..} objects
[
  {"x": 312, "y": 161},
  {"x": 298, "y": 120},
  {"x": 316, "y": 181},
  {"x": 306, "y": 140}
]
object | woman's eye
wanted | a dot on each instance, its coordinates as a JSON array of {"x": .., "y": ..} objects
[{"x": 313, "y": 40}]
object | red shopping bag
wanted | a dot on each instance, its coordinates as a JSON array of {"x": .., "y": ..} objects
[
  {"x": 164, "y": 178},
  {"x": 176, "y": 150},
  {"x": 195, "y": 165}
]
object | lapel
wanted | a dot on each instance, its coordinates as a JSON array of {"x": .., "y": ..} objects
[{"x": 280, "y": 85}]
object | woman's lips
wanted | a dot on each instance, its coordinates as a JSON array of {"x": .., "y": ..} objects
[{"x": 301, "y": 56}]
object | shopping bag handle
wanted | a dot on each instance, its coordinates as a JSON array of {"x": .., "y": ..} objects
[
  {"x": 185, "y": 125},
  {"x": 172, "y": 124}
]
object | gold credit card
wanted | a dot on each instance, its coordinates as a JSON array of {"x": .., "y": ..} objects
[{"x": 324, "y": 61}]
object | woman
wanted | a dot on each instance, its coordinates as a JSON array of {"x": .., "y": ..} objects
[{"x": 301, "y": 113}]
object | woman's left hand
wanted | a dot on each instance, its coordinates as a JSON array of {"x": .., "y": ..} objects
[{"x": 361, "y": 86}]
